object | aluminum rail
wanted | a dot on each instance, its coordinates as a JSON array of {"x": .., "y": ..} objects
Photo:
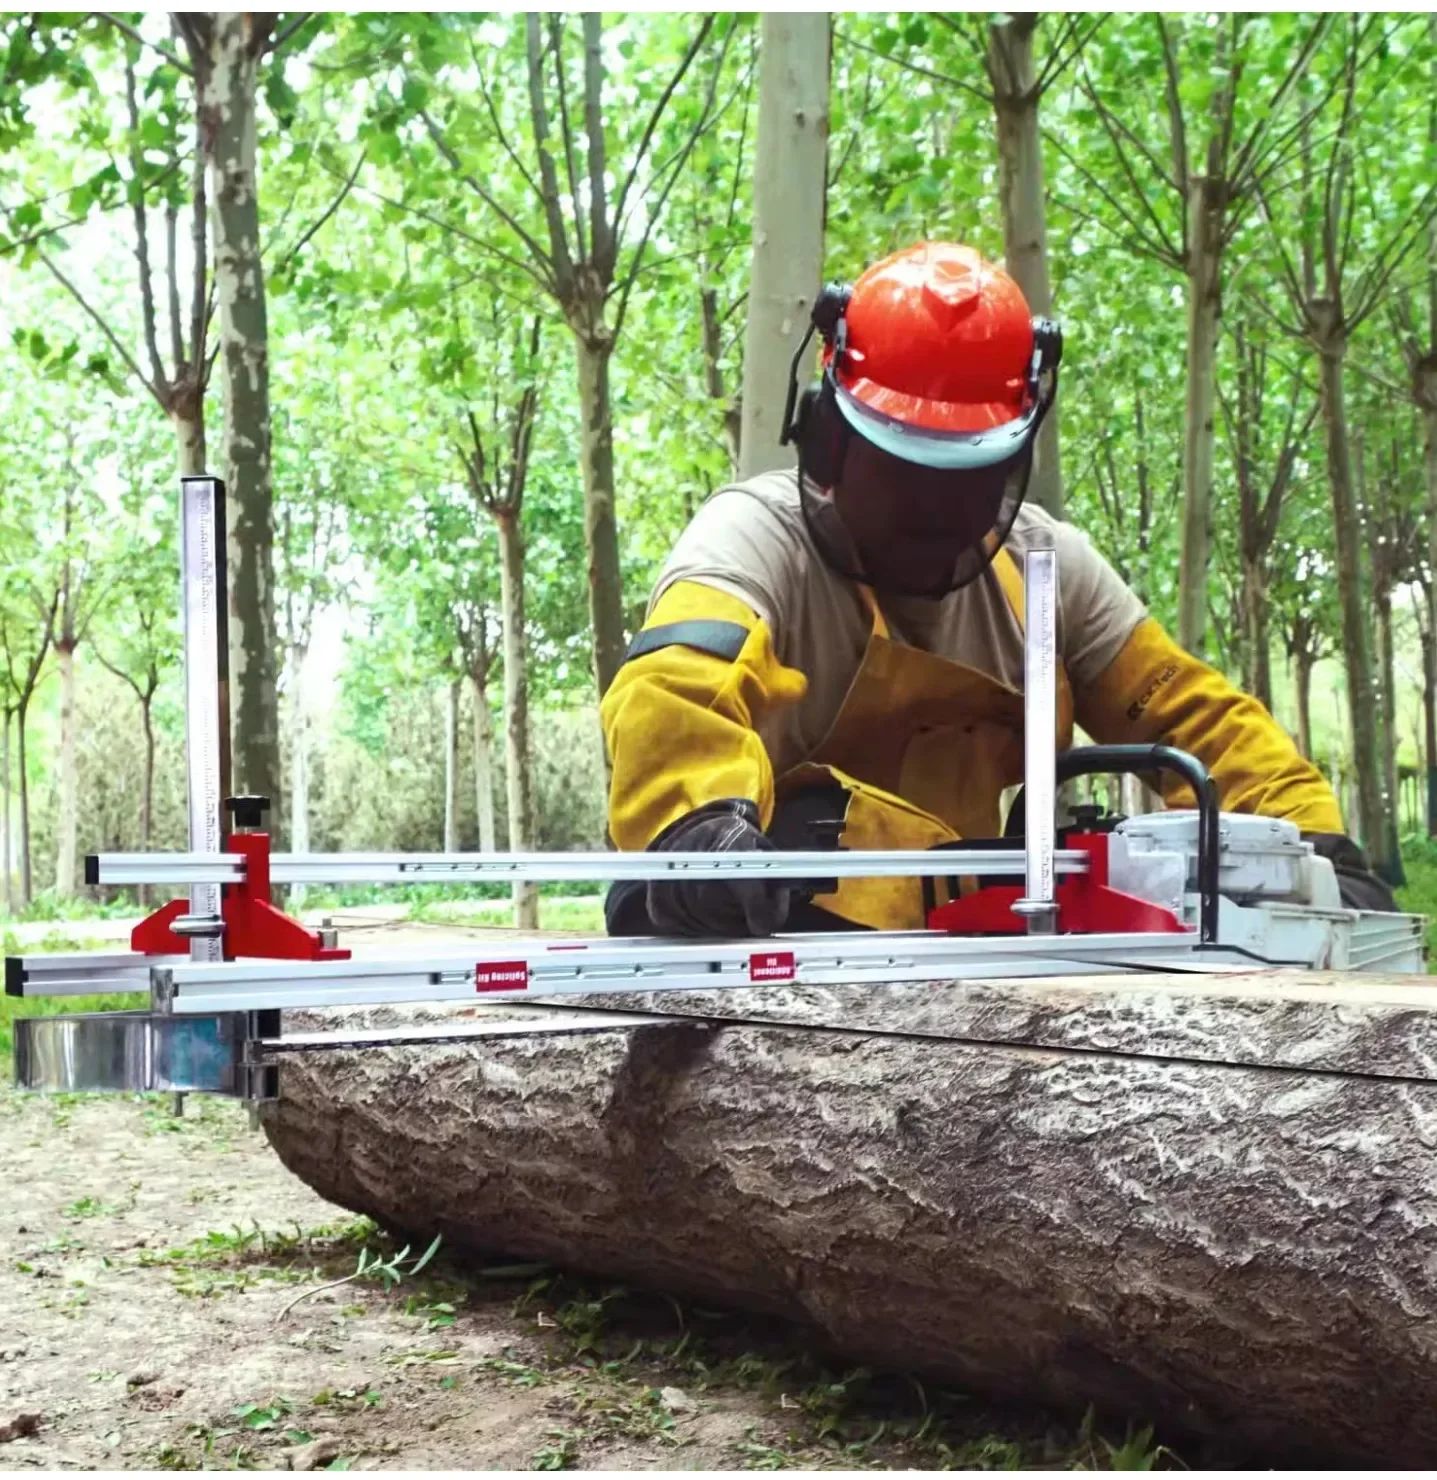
[
  {"x": 520, "y": 969},
  {"x": 444, "y": 868},
  {"x": 81, "y": 973}
]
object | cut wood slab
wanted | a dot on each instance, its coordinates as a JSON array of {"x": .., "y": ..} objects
[{"x": 1209, "y": 1202}]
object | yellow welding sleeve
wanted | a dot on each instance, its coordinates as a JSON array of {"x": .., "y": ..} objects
[
  {"x": 1154, "y": 692},
  {"x": 681, "y": 723}
]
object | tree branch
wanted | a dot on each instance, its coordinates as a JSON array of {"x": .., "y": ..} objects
[
  {"x": 142, "y": 235},
  {"x": 983, "y": 96},
  {"x": 1252, "y": 145},
  {"x": 658, "y": 208},
  {"x": 560, "y": 262},
  {"x": 1157, "y": 248},
  {"x": 1056, "y": 63},
  {"x": 556, "y": 45},
  {"x": 499, "y": 132},
  {"x": 601, "y": 232},
  {"x": 134, "y": 35},
  {"x": 277, "y": 43},
  {"x": 442, "y": 144},
  {"x": 199, "y": 248},
  {"x": 99, "y": 322},
  {"x": 1113, "y": 126},
  {"x": 1176, "y": 124},
  {"x": 307, "y": 235},
  {"x": 172, "y": 285},
  {"x": 657, "y": 113}
]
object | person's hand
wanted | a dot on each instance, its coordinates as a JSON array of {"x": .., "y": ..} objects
[
  {"x": 738, "y": 906},
  {"x": 1359, "y": 887}
]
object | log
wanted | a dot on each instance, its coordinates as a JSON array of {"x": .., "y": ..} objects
[{"x": 1205, "y": 1201}]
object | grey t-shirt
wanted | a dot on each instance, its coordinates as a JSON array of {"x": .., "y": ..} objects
[{"x": 750, "y": 541}]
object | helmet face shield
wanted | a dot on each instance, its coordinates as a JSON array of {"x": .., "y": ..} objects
[{"x": 911, "y": 529}]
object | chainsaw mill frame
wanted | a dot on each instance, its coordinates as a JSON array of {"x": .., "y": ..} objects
[{"x": 223, "y": 964}]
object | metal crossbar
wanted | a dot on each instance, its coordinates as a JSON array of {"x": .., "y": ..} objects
[
  {"x": 545, "y": 967},
  {"x": 440, "y": 868}
]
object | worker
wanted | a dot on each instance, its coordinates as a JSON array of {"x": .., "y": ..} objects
[{"x": 841, "y": 643}]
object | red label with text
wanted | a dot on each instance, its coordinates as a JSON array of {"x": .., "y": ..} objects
[
  {"x": 501, "y": 976},
  {"x": 771, "y": 966}
]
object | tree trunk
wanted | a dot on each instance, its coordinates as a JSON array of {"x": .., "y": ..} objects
[
  {"x": 67, "y": 822},
  {"x": 1257, "y": 635},
  {"x": 1303, "y": 664},
  {"x": 1429, "y": 420},
  {"x": 451, "y": 766},
  {"x": 601, "y": 531},
  {"x": 1429, "y": 714},
  {"x": 1388, "y": 664},
  {"x": 147, "y": 787},
  {"x": 226, "y": 93},
  {"x": 790, "y": 177},
  {"x": 1204, "y": 302},
  {"x": 1362, "y": 702},
  {"x": 298, "y": 768},
  {"x": 713, "y": 376},
  {"x": 483, "y": 765},
  {"x": 7, "y": 861},
  {"x": 190, "y": 439},
  {"x": 1141, "y": 1198},
  {"x": 1020, "y": 194},
  {"x": 27, "y": 878},
  {"x": 517, "y": 771}
]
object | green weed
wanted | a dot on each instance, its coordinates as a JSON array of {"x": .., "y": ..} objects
[{"x": 561, "y": 1453}]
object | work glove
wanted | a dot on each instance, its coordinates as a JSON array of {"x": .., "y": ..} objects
[
  {"x": 1359, "y": 887},
  {"x": 739, "y": 906}
]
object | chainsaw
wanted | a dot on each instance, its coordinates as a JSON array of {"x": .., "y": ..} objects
[{"x": 1194, "y": 890}]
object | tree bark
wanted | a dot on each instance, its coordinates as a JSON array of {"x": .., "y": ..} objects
[
  {"x": 1257, "y": 633},
  {"x": 7, "y": 861},
  {"x": 789, "y": 188},
  {"x": 147, "y": 786},
  {"x": 1204, "y": 305},
  {"x": 517, "y": 772},
  {"x": 451, "y": 766},
  {"x": 713, "y": 377},
  {"x": 67, "y": 822},
  {"x": 298, "y": 767},
  {"x": 1140, "y": 1197},
  {"x": 1020, "y": 193},
  {"x": 1429, "y": 421},
  {"x": 483, "y": 765},
  {"x": 1362, "y": 703},
  {"x": 225, "y": 87},
  {"x": 601, "y": 530},
  {"x": 27, "y": 878},
  {"x": 190, "y": 439},
  {"x": 1387, "y": 661},
  {"x": 1302, "y": 662}
]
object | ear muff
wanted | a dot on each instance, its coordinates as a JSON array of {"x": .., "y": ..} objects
[{"x": 821, "y": 434}]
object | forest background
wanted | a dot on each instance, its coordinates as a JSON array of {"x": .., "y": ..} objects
[{"x": 472, "y": 311}]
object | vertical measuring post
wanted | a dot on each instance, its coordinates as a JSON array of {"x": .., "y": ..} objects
[
  {"x": 205, "y": 606},
  {"x": 1040, "y": 739}
]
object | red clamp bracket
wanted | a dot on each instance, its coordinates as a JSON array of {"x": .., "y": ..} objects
[
  {"x": 1087, "y": 904},
  {"x": 253, "y": 926}
]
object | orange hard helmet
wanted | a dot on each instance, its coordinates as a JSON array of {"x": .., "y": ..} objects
[{"x": 933, "y": 358}]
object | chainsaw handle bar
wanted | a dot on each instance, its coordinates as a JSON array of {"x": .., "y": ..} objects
[{"x": 1136, "y": 760}]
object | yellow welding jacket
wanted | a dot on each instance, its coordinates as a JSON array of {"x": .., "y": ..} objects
[{"x": 760, "y": 672}]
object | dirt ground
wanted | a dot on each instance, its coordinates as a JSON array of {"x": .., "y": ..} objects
[{"x": 149, "y": 1273}]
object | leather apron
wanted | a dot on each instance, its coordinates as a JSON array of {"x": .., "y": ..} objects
[{"x": 923, "y": 747}]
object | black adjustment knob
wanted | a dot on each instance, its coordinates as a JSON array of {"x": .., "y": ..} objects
[
  {"x": 1086, "y": 817},
  {"x": 248, "y": 812}
]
